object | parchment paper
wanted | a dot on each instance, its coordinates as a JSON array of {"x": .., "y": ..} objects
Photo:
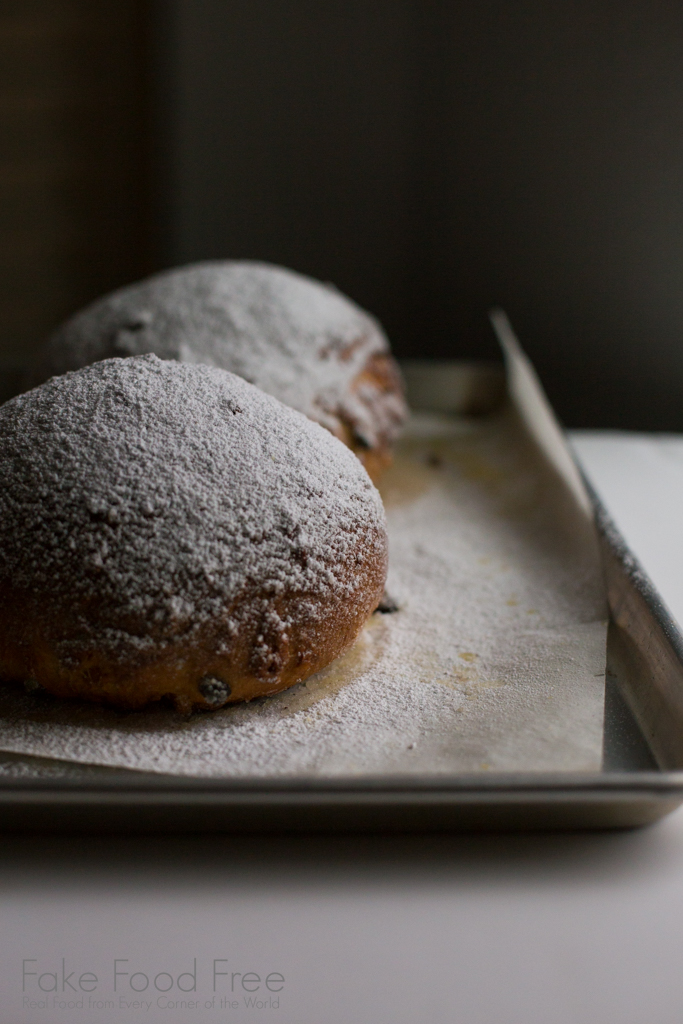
[{"x": 493, "y": 660}]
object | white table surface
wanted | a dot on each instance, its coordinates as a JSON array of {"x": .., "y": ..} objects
[{"x": 545, "y": 929}]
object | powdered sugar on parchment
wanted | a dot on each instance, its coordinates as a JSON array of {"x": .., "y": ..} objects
[{"x": 494, "y": 660}]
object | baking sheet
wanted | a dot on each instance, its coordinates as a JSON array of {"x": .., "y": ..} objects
[{"x": 494, "y": 660}]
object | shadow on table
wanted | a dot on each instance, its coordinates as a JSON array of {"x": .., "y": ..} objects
[{"x": 201, "y": 863}]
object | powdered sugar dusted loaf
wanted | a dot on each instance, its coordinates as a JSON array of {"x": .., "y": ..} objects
[
  {"x": 169, "y": 529},
  {"x": 295, "y": 338}
]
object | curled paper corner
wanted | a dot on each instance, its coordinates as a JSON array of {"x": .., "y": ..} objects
[{"x": 530, "y": 399}]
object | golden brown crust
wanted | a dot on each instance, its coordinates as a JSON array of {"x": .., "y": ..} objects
[
  {"x": 190, "y": 673},
  {"x": 138, "y": 563},
  {"x": 377, "y": 397}
]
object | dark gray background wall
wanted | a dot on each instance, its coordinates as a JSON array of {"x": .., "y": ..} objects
[
  {"x": 434, "y": 158},
  {"x": 73, "y": 161}
]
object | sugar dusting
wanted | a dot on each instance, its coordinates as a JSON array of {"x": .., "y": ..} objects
[
  {"x": 163, "y": 492},
  {"x": 494, "y": 660},
  {"x": 295, "y": 338}
]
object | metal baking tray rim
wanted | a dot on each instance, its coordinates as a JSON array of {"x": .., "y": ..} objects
[
  {"x": 559, "y": 785},
  {"x": 651, "y": 686}
]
